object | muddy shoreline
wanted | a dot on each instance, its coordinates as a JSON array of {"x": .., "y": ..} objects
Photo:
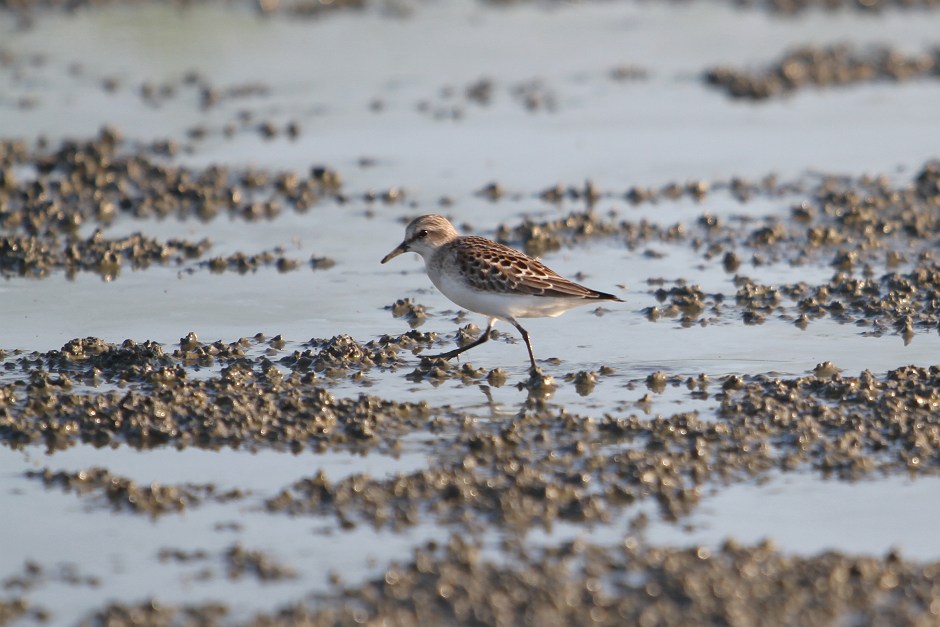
[{"x": 215, "y": 404}]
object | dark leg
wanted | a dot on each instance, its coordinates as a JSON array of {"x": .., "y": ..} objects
[
  {"x": 483, "y": 337},
  {"x": 528, "y": 344}
]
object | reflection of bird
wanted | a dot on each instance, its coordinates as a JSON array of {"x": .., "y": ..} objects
[{"x": 489, "y": 278}]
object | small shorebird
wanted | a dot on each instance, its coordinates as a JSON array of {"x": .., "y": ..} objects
[{"x": 489, "y": 278}]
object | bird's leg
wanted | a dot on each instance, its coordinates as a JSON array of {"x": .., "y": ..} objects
[
  {"x": 483, "y": 337},
  {"x": 528, "y": 344}
]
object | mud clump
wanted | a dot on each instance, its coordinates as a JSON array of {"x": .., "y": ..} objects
[
  {"x": 243, "y": 263},
  {"x": 153, "y": 612},
  {"x": 414, "y": 314},
  {"x": 457, "y": 102},
  {"x": 589, "y": 194},
  {"x": 241, "y": 561},
  {"x": 433, "y": 369},
  {"x": 18, "y": 609},
  {"x": 123, "y": 494},
  {"x": 823, "y": 67},
  {"x": 900, "y": 303},
  {"x": 539, "y": 384},
  {"x": 584, "y": 382},
  {"x": 580, "y": 583},
  {"x": 98, "y": 359},
  {"x": 338, "y": 355},
  {"x": 496, "y": 377},
  {"x": 861, "y": 423},
  {"x": 32, "y": 577},
  {"x": 321, "y": 263},
  {"x": 308, "y": 8},
  {"x": 59, "y": 190},
  {"x": 852, "y": 224},
  {"x": 533, "y": 470},
  {"x": 167, "y": 554},
  {"x": 539, "y": 238},
  {"x": 250, "y": 402},
  {"x": 857, "y": 225},
  {"x": 237, "y": 563},
  {"x": 546, "y": 465},
  {"x": 34, "y": 257},
  {"x": 686, "y": 302}
]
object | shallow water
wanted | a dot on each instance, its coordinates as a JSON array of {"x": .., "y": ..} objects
[
  {"x": 121, "y": 550},
  {"x": 326, "y": 75},
  {"x": 804, "y": 514}
]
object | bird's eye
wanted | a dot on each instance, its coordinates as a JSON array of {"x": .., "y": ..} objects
[{"x": 422, "y": 234}]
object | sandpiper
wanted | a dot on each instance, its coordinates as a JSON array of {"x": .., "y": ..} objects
[{"x": 489, "y": 278}]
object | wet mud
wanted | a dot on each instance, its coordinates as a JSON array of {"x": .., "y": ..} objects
[
  {"x": 475, "y": 492},
  {"x": 124, "y": 494},
  {"x": 579, "y": 583},
  {"x": 825, "y": 67},
  {"x": 583, "y": 584},
  {"x": 541, "y": 467},
  {"x": 52, "y": 197},
  {"x": 251, "y": 402}
]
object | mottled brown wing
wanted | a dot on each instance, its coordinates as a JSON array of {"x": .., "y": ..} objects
[{"x": 489, "y": 265}]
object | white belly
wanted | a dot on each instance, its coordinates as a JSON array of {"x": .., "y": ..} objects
[{"x": 500, "y": 305}]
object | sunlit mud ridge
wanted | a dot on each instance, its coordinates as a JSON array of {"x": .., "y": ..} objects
[
  {"x": 633, "y": 584},
  {"x": 546, "y": 466},
  {"x": 248, "y": 402},
  {"x": 49, "y": 196},
  {"x": 234, "y": 563},
  {"x": 856, "y": 217},
  {"x": 588, "y": 193},
  {"x": 825, "y": 67},
  {"x": 854, "y": 226},
  {"x": 122, "y": 494},
  {"x": 542, "y": 465},
  {"x": 581, "y": 583},
  {"x": 901, "y": 303}
]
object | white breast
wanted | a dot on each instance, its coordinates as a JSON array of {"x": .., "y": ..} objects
[{"x": 500, "y": 305}]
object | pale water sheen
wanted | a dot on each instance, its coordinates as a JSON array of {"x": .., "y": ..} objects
[{"x": 325, "y": 74}]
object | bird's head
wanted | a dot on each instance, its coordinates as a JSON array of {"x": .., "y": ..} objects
[{"x": 424, "y": 235}]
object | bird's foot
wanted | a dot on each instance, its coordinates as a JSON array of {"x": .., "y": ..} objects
[{"x": 539, "y": 383}]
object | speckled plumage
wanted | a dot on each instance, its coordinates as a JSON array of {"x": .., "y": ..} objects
[
  {"x": 490, "y": 278},
  {"x": 491, "y": 266}
]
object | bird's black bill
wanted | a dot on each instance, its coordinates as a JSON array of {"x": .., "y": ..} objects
[{"x": 401, "y": 248}]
